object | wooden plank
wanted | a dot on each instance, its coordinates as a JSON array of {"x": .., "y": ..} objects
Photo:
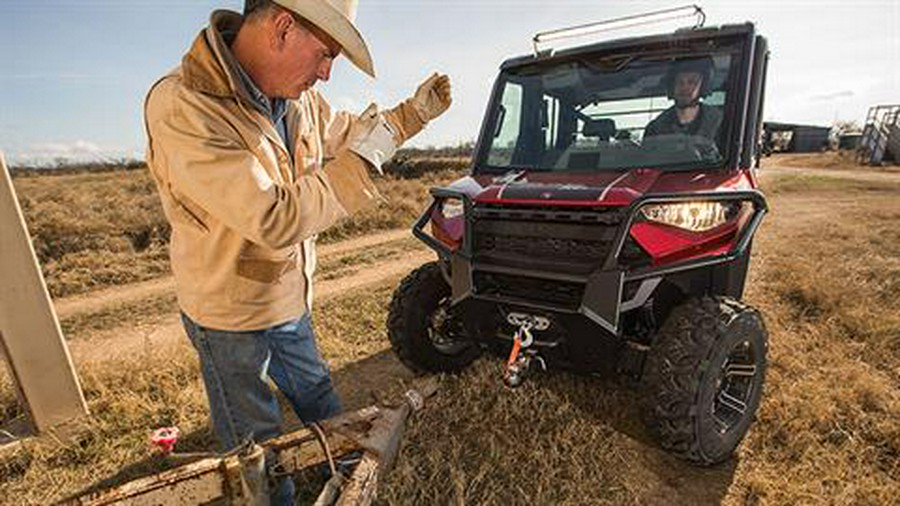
[
  {"x": 374, "y": 430},
  {"x": 195, "y": 483},
  {"x": 380, "y": 430},
  {"x": 362, "y": 487},
  {"x": 208, "y": 479},
  {"x": 380, "y": 435},
  {"x": 32, "y": 340}
]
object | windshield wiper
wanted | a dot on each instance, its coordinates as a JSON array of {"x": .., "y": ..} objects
[{"x": 509, "y": 176}]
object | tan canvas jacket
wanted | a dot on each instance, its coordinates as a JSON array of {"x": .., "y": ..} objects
[{"x": 244, "y": 217}]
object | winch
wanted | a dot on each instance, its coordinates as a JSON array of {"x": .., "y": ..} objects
[{"x": 522, "y": 354}]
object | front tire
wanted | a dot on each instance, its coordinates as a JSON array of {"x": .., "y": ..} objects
[
  {"x": 703, "y": 378},
  {"x": 425, "y": 332}
]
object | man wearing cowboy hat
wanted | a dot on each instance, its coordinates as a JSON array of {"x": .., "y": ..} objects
[{"x": 251, "y": 163}]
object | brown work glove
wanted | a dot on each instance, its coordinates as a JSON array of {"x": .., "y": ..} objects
[{"x": 432, "y": 97}]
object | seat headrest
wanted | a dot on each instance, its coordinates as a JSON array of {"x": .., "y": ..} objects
[{"x": 603, "y": 128}]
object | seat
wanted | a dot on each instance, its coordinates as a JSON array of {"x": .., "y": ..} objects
[
  {"x": 603, "y": 129},
  {"x": 586, "y": 155}
]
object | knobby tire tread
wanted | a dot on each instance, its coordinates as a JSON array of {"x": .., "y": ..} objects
[{"x": 674, "y": 370}]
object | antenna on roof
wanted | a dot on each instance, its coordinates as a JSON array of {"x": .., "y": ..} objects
[{"x": 620, "y": 23}]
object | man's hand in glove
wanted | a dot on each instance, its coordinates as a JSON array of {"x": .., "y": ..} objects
[
  {"x": 432, "y": 97},
  {"x": 372, "y": 138}
]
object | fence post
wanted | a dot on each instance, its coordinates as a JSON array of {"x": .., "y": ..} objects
[{"x": 30, "y": 335}]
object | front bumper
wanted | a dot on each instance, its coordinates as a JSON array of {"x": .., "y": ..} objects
[{"x": 595, "y": 292}]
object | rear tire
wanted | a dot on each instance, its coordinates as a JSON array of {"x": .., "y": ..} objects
[
  {"x": 424, "y": 330},
  {"x": 703, "y": 378}
]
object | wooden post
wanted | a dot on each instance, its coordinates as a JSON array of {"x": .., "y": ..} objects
[{"x": 32, "y": 340}]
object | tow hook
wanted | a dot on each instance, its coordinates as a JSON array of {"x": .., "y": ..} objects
[{"x": 522, "y": 355}]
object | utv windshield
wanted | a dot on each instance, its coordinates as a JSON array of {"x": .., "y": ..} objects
[{"x": 613, "y": 113}]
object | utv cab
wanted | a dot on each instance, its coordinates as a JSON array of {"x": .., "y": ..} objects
[{"x": 606, "y": 226}]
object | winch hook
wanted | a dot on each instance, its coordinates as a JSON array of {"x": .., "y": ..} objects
[{"x": 521, "y": 356}]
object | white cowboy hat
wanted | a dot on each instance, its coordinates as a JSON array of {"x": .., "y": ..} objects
[{"x": 336, "y": 18}]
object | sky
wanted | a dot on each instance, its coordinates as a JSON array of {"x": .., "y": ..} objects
[{"x": 73, "y": 73}]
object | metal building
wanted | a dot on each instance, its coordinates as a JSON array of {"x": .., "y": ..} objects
[{"x": 794, "y": 138}]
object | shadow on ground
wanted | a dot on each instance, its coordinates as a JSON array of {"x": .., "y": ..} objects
[{"x": 665, "y": 479}]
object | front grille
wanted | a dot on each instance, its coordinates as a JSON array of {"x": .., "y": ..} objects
[
  {"x": 551, "y": 247},
  {"x": 565, "y": 294},
  {"x": 562, "y": 241},
  {"x": 545, "y": 242},
  {"x": 559, "y": 214}
]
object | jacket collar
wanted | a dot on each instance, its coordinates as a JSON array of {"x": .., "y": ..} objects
[{"x": 209, "y": 66}]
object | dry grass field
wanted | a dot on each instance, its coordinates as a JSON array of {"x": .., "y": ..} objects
[
  {"x": 825, "y": 273},
  {"x": 97, "y": 229}
]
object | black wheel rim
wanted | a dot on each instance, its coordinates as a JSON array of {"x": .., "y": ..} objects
[
  {"x": 736, "y": 386},
  {"x": 446, "y": 332}
]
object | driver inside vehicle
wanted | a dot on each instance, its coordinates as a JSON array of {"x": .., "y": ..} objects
[{"x": 687, "y": 83}]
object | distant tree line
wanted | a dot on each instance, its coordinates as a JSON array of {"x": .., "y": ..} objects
[
  {"x": 461, "y": 150},
  {"x": 63, "y": 166},
  {"x": 405, "y": 163}
]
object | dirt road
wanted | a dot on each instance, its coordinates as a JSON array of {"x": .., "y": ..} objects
[
  {"x": 95, "y": 301},
  {"x": 129, "y": 339}
]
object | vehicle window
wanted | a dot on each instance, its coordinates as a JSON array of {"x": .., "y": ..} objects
[
  {"x": 506, "y": 130},
  {"x": 593, "y": 115}
]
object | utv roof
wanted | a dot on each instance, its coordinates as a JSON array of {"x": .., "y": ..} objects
[{"x": 680, "y": 35}]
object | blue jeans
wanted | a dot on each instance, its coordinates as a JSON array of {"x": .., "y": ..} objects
[{"x": 236, "y": 366}]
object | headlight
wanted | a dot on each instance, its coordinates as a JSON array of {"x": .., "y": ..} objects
[
  {"x": 693, "y": 216},
  {"x": 452, "y": 208}
]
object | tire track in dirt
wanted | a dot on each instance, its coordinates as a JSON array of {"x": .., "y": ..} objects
[
  {"x": 129, "y": 340},
  {"x": 863, "y": 174},
  {"x": 97, "y": 300}
]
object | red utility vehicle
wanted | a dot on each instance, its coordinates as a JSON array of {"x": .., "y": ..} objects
[{"x": 606, "y": 226}]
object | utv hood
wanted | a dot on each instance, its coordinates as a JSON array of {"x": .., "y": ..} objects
[{"x": 612, "y": 188}]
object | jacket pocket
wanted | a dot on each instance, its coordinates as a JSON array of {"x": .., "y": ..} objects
[
  {"x": 187, "y": 212},
  {"x": 263, "y": 270},
  {"x": 263, "y": 275},
  {"x": 190, "y": 217}
]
